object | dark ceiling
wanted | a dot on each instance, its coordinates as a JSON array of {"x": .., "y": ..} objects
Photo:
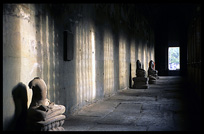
[{"x": 156, "y": 13}]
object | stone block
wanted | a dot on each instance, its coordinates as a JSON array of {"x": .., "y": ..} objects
[
  {"x": 47, "y": 125},
  {"x": 140, "y": 83},
  {"x": 140, "y": 79},
  {"x": 110, "y": 127},
  {"x": 152, "y": 81},
  {"x": 38, "y": 114},
  {"x": 140, "y": 86},
  {"x": 57, "y": 129}
]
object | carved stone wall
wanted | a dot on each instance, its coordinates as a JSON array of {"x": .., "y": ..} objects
[{"x": 106, "y": 39}]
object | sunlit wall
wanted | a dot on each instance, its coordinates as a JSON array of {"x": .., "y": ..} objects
[
  {"x": 102, "y": 53},
  {"x": 29, "y": 50},
  {"x": 123, "y": 67},
  {"x": 85, "y": 63},
  {"x": 140, "y": 52},
  {"x": 108, "y": 63},
  {"x": 133, "y": 59}
]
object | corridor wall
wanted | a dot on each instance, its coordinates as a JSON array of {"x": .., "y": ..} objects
[{"x": 105, "y": 43}]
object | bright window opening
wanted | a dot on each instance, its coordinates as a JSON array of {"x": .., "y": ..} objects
[{"x": 174, "y": 58}]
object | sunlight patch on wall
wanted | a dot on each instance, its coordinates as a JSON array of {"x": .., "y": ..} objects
[
  {"x": 139, "y": 52},
  {"x": 41, "y": 43},
  {"x": 28, "y": 51},
  {"x": 53, "y": 63},
  {"x": 148, "y": 56},
  {"x": 144, "y": 57},
  {"x": 28, "y": 65},
  {"x": 77, "y": 79},
  {"x": 85, "y": 64},
  {"x": 38, "y": 52},
  {"x": 122, "y": 63},
  {"x": 108, "y": 63},
  {"x": 48, "y": 55},
  {"x": 78, "y": 65},
  {"x": 45, "y": 36},
  {"x": 93, "y": 65},
  {"x": 132, "y": 59}
]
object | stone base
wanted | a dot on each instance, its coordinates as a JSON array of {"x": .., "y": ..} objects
[
  {"x": 140, "y": 86},
  {"x": 140, "y": 79},
  {"x": 140, "y": 83},
  {"x": 57, "y": 129},
  {"x": 47, "y": 125},
  {"x": 152, "y": 81},
  {"x": 37, "y": 114}
]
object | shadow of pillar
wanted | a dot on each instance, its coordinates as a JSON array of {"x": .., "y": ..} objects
[{"x": 19, "y": 93}]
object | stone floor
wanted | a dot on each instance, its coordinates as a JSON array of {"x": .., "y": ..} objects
[{"x": 162, "y": 107}]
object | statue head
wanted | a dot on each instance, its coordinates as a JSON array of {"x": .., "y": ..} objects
[
  {"x": 138, "y": 64},
  {"x": 151, "y": 65},
  {"x": 39, "y": 90}
]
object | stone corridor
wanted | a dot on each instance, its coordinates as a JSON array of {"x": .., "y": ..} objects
[{"x": 162, "y": 107}]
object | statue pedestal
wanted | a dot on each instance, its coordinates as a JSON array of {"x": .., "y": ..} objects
[
  {"x": 152, "y": 73},
  {"x": 140, "y": 83},
  {"x": 152, "y": 79},
  {"x": 49, "y": 119},
  {"x": 52, "y": 124}
]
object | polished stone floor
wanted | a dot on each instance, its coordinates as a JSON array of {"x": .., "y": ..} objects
[{"x": 164, "y": 106}]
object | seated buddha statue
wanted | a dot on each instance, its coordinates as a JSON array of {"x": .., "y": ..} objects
[
  {"x": 140, "y": 81},
  {"x": 139, "y": 71},
  {"x": 42, "y": 114},
  {"x": 151, "y": 71}
]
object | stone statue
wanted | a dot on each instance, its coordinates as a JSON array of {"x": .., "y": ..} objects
[
  {"x": 140, "y": 82},
  {"x": 42, "y": 114},
  {"x": 39, "y": 92},
  {"x": 139, "y": 71},
  {"x": 152, "y": 73}
]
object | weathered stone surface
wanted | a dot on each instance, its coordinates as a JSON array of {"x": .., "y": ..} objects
[
  {"x": 51, "y": 120},
  {"x": 47, "y": 125},
  {"x": 37, "y": 114},
  {"x": 33, "y": 46},
  {"x": 57, "y": 129},
  {"x": 135, "y": 110},
  {"x": 129, "y": 108},
  {"x": 140, "y": 86},
  {"x": 103, "y": 109},
  {"x": 140, "y": 79},
  {"x": 152, "y": 80},
  {"x": 109, "y": 127},
  {"x": 80, "y": 122},
  {"x": 42, "y": 114},
  {"x": 118, "y": 118}
]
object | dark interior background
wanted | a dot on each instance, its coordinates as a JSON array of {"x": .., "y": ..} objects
[{"x": 170, "y": 22}]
